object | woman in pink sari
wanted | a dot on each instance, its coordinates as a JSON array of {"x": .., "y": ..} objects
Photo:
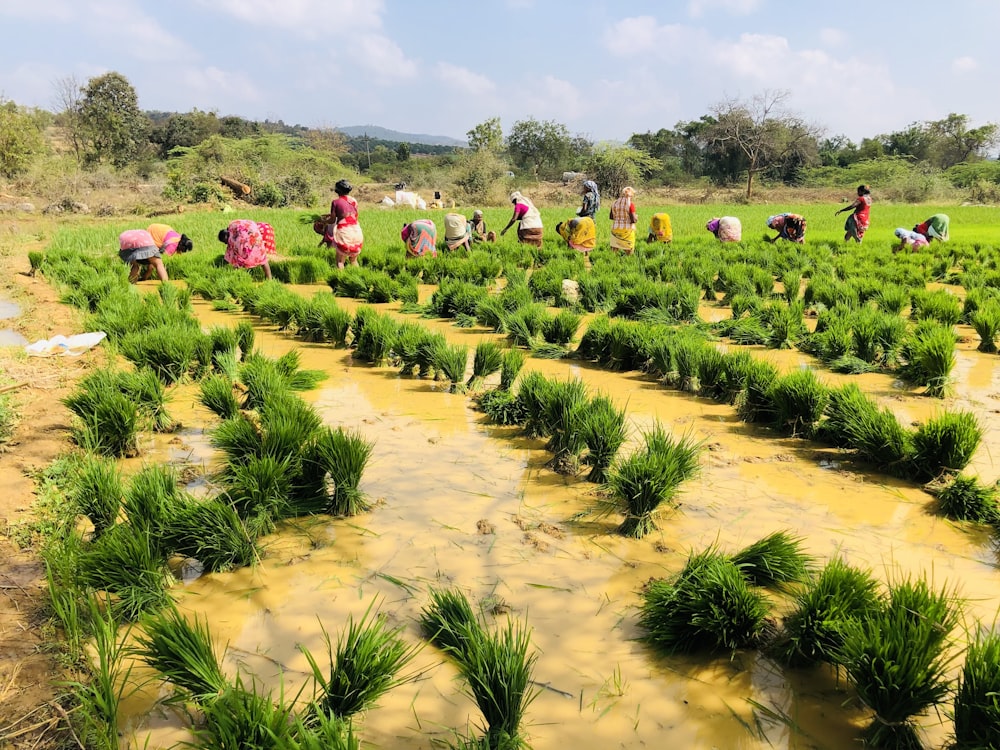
[
  {"x": 344, "y": 232},
  {"x": 245, "y": 246}
]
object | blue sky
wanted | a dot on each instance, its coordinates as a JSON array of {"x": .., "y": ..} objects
[{"x": 605, "y": 69}]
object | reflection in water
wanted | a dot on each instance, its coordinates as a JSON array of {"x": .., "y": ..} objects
[{"x": 462, "y": 503}]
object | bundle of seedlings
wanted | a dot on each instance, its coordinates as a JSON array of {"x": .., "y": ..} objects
[
  {"x": 502, "y": 407},
  {"x": 650, "y": 477},
  {"x": 454, "y": 298},
  {"x": 799, "y": 400},
  {"x": 365, "y": 665},
  {"x": 986, "y": 321},
  {"x": 565, "y": 412},
  {"x": 490, "y": 312},
  {"x": 814, "y": 630},
  {"x": 856, "y": 422},
  {"x": 333, "y": 465},
  {"x": 183, "y": 653},
  {"x": 322, "y": 319},
  {"x": 211, "y": 532},
  {"x": 708, "y": 606},
  {"x": 151, "y": 500},
  {"x": 414, "y": 347},
  {"x": 595, "y": 344},
  {"x": 108, "y": 420},
  {"x": 373, "y": 339},
  {"x": 171, "y": 351},
  {"x": 488, "y": 359},
  {"x": 892, "y": 299},
  {"x": 711, "y": 373},
  {"x": 260, "y": 375},
  {"x": 945, "y": 444},
  {"x": 755, "y": 403},
  {"x": 450, "y": 362},
  {"x": 524, "y": 325},
  {"x": 937, "y": 304},
  {"x": 977, "y": 699},
  {"x": 896, "y": 659},
  {"x": 604, "y": 431},
  {"x": 776, "y": 559},
  {"x": 784, "y": 324},
  {"x": 533, "y": 395},
  {"x": 562, "y": 328},
  {"x": 217, "y": 393},
  {"x": 965, "y": 498},
  {"x": 247, "y": 716},
  {"x": 448, "y": 621}
]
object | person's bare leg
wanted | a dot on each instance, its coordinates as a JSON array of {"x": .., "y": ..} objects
[
  {"x": 267, "y": 270},
  {"x": 161, "y": 270}
]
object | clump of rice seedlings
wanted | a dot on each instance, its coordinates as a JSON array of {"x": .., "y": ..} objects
[
  {"x": 448, "y": 621},
  {"x": 169, "y": 350},
  {"x": 745, "y": 304},
  {"x": 791, "y": 280},
  {"x": 596, "y": 340},
  {"x": 289, "y": 366},
  {"x": 213, "y": 533},
  {"x": 856, "y": 422},
  {"x": 335, "y": 322},
  {"x": 36, "y": 259},
  {"x": 891, "y": 331},
  {"x": 96, "y": 490},
  {"x": 510, "y": 365},
  {"x": 708, "y": 606},
  {"x": 245, "y": 717},
  {"x": 490, "y": 312},
  {"x": 109, "y": 420},
  {"x": 216, "y": 394},
  {"x": 66, "y": 593},
  {"x": 524, "y": 324},
  {"x": 865, "y": 333},
  {"x": 182, "y": 652},
  {"x": 487, "y": 360},
  {"x": 562, "y": 328},
  {"x": 896, "y": 659},
  {"x": 100, "y": 697},
  {"x": 755, "y": 402},
  {"x": 938, "y": 305},
  {"x": 711, "y": 373},
  {"x": 735, "y": 371},
  {"x": 799, "y": 400},
  {"x": 363, "y": 667},
  {"x": 223, "y": 339},
  {"x": 784, "y": 323},
  {"x": 986, "y": 321},
  {"x": 533, "y": 397},
  {"x": 451, "y": 361},
  {"x": 374, "y": 341},
  {"x": 976, "y": 706},
  {"x": 964, "y": 498},
  {"x": 151, "y": 499},
  {"x": 124, "y": 562},
  {"x": 687, "y": 355},
  {"x": 945, "y": 443},
  {"x": 650, "y": 477},
  {"x": 604, "y": 431},
  {"x": 259, "y": 489},
  {"x": 564, "y": 415},
  {"x": 343, "y": 457},
  {"x": 545, "y": 350},
  {"x": 245, "y": 337},
  {"x": 891, "y": 299},
  {"x": 317, "y": 731},
  {"x": 851, "y": 365},
  {"x": 502, "y": 407},
  {"x": 814, "y": 630},
  {"x": 777, "y": 558}
]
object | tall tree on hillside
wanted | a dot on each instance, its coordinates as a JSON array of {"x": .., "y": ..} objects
[
  {"x": 956, "y": 142},
  {"x": 764, "y": 134},
  {"x": 67, "y": 105},
  {"x": 20, "y": 139},
  {"x": 541, "y": 147},
  {"x": 113, "y": 125},
  {"x": 486, "y": 136}
]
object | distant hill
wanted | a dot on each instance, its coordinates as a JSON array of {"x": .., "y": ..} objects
[{"x": 384, "y": 134}]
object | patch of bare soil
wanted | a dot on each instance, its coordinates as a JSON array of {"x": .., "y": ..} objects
[{"x": 29, "y": 672}]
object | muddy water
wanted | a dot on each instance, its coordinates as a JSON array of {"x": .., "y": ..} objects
[
  {"x": 8, "y": 336},
  {"x": 462, "y": 503}
]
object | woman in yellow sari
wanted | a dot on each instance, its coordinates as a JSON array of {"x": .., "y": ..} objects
[
  {"x": 580, "y": 233},
  {"x": 660, "y": 229},
  {"x": 623, "y": 221}
]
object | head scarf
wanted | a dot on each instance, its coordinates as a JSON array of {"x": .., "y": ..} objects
[
  {"x": 713, "y": 225},
  {"x": 901, "y": 232},
  {"x": 477, "y": 214},
  {"x": 592, "y": 188},
  {"x": 628, "y": 192},
  {"x": 776, "y": 221}
]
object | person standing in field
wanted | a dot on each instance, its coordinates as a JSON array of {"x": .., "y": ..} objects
[
  {"x": 935, "y": 228},
  {"x": 138, "y": 248},
  {"x": 791, "y": 227},
  {"x": 344, "y": 231},
  {"x": 725, "y": 228},
  {"x": 245, "y": 246},
  {"x": 591, "y": 200},
  {"x": 529, "y": 221},
  {"x": 857, "y": 223},
  {"x": 623, "y": 220}
]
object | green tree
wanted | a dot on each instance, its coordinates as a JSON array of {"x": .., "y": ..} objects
[
  {"x": 20, "y": 139},
  {"x": 486, "y": 136},
  {"x": 541, "y": 147},
  {"x": 614, "y": 167},
  {"x": 403, "y": 152},
  {"x": 186, "y": 130},
  {"x": 113, "y": 125},
  {"x": 955, "y": 142}
]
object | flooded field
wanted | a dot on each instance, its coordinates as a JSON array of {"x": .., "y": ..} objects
[{"x": 462, "y": 503}]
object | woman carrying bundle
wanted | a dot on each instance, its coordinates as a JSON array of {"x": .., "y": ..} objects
[
  {"x": 245, "y": 246},
  {"x": 529, "y": 221},
  {"x": 344, "y": 232},
  {"x": 623, "y": 221},
  {"x": 857, "y": 223},
  {"x": 420, "y": 237}
]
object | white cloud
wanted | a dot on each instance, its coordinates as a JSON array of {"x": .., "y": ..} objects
[
  {"x": 52, "y": 10},
  {"x": 144, "y": 38},
  {"x": 832, "y": 37},
  {"x": 463, "y": 79},
  {"x": 383, "y": 58},
  {"x": 964, "y": 64},
  {"x": 203, "y": 87},
  {"x": 698, "y": 8},
  {"x": 310, "y": 18}
]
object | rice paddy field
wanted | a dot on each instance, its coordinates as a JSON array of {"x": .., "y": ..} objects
[{"x": 733, "y": 496}]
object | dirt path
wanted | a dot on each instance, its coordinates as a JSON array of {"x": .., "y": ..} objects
[{"x": 28, "y": 670}]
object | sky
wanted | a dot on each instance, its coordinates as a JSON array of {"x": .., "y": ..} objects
[{"x": 604, "y": 68}]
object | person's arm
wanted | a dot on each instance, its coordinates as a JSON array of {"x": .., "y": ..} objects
[
  {"x": 509, "y": 223},
  {"x": 849, "y": 208},
  {"x": 632, "y": 215}
]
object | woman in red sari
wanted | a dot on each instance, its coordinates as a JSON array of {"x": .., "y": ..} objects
[
  {"x": 857, "y": 223},
  {"x": 344, "y": 232}
]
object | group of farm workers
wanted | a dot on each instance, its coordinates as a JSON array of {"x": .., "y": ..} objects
[{"x": 249, "y": 244}]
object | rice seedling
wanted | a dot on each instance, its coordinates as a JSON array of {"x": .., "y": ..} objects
[
  {"x": 510, "y": 366},
  {"x": 799, "y": 400},
  {"x": 365, "y": 665},
  {"x": 96, "y": 490},
  {"x": 785, "y": 323},
  {"x": 490, "y": 312},
  {"x": 755, "y": 402},
  {"x": 343, "y": 457},
  {"x": 896, "y": 660},
  {"x": 212, "y": 533},
  {"x": 318, "y": 731},
  {"x": 865, "y": 335},
  {"x": 562, "y": 414},
  {"x": 451, "y": 361},
  {"x": 890, "y": 333},
  {"x": 745, "y": 304},
  {"x": 777, "y": 558},
  {"x": 524, "y": 325},
  {"x": 814, "y": 630},
  {"x": 735, "y": 368},
  {"x": 169, "y": 350},
  {"x": 791, "y": 280},
  {"x": 976, "y": 703},
  {"x": 533, "y": 396},
  {"x": 938, "y": 305},
  {"x": 100, "y": 697},
  {"x": 986, "y": 321},
  {"x": 216, "y": 393},
  {"x": 125, "y": 563},
  {"x": 448, "y": 621},
  {"x": 498, "y": 668},
  {"x": 35, "y": 259},
  {"x": 245, "y": 336},
  {"x": 687, "y": 355},
  {"x": 109, "y": 420},
  {"x": 488, "y": 359},
  {"x": 259, "y": 489},
  {"x": 711, "y": 373},
  {"x": 856, "y": 422},
  {"x": 604, "y": 432},
  {"x": 650, "y": 477},
  {"x": 945, "y": 443},
  {"x": 892, "y": 299},
  {"x": 182, "y": 652},
  {"x": 502, "y": 407},
  {"x": 708, "y": 606},
  {"x": 245, "y": 717},
  {"x": 562, "y": 328},
  {"x": 964, "y": 498},
  {"x": 374, "y": 341},
  {"x": 595, "y": 344},
  {"x": 288, "y": 365},
  {"x": 151, "y": 499},
  {"x": 66, "y": 594}
]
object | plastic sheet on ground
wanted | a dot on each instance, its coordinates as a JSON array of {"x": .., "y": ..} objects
[{"x": 71, "y": 346}]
